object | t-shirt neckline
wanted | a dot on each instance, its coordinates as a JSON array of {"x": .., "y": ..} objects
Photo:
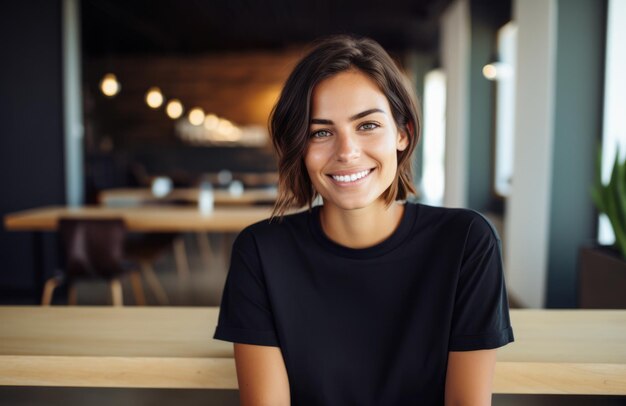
[{"x": 394, "y": 240}]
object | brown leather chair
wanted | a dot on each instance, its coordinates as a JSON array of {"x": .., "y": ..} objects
[{"x": 94, "y": 249}]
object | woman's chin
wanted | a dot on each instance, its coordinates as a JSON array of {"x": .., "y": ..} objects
[{"x": 350, "y": 204}]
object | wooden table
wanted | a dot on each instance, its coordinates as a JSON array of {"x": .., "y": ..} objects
[
  {"x": 143, "y": 219},
  {"x": 141, "y": 196},
  {"x": 555, "y": 352}
]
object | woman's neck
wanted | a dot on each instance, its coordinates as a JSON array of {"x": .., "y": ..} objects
[{"x": 361, "y": 228}]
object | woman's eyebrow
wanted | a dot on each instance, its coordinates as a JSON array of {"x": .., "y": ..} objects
[
  {"x": 354, "y": 117},
  {"x": 365, "y": 113}
]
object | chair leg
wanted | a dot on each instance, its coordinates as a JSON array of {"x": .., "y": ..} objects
[
  {"x": 72, "y": 296},
  {"x": 226, "y": 250},
  {"x": 48, "y": 290},
  {"x": 206, "y": 252},
  {"x": 154, "y": 283},
  {"x": 137, "y": 285},
  {"x": 180, "y": 254},
  {"x": 116, "y": 292}
]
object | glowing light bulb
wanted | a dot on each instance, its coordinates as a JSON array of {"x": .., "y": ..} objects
[
  {"x": 234, "y": 134},
  {"x": 174, "y": 109},
  {"x": 154, "y": 97},
  {"x": 109, "y": 85},
  {"x": 196, "y": 116},
  {"x": 211, "y": 121},
  {"x": 224, "y": 126},
  {"x": 490, "y": 71},
  {"x": 498, "y": 71}
]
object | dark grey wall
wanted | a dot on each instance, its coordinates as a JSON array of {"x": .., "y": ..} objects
[
  {"x": 481, "y": 112},
  {"x": 419, "y": 64},
  {"x": 578, "y": 124},
  {"x": 31, "y": 134},
  {"x": 486, "y": 18}
]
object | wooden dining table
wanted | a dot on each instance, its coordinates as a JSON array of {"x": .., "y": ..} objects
[
  {"x": 124, "y": 197},
  {"x": 143, "y": 219},
  {"x": 555, "y": 351}
]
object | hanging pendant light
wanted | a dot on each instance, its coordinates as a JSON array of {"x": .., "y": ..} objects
[
  {"x": 174, "y": 109},
  {"x": 109, "y": 85},
  {"x": 154, "y": 97},
  {"x": 196, "y": 116}
]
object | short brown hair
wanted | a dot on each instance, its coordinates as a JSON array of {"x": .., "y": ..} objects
[{"x": 289, "y": 120}]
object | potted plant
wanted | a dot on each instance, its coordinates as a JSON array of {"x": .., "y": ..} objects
[{"x": 602, "y": 277}]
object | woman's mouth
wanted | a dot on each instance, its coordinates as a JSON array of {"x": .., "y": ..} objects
[{"x": 347, "y": 179}]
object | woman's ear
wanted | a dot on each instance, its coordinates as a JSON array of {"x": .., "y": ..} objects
[{"x": 403, "y": 137}]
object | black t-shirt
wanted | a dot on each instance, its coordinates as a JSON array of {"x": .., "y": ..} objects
[{"x": 368, "y": 326}]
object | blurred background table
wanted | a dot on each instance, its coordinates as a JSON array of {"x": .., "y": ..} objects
[
  {"x": 142, "y": 196},
  {"x": 144, "y": 218},
  {"x": 555, "y": 352}
]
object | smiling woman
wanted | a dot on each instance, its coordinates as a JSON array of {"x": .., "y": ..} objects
[{"x": 366, "y": 299}]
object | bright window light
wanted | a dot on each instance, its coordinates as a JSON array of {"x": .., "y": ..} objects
[
  {"x": 434, "y": 134},
  {"x": 614, "y": 124},
  {"x": 505, "y": 110}
]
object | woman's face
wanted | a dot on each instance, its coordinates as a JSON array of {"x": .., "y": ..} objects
[{"x": 351, "y": 156}]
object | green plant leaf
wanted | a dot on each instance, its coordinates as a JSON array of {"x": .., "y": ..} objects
[
  {"x": 597, "y": 192},
  {"x": 620, "y": 184},
  {"x": 614, "y": 204},
  {"x": 610, "y": 199},
  {"x": 597, "y": 197}
]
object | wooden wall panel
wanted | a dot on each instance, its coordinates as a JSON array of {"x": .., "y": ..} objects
[{"x": 240, "y": 87}]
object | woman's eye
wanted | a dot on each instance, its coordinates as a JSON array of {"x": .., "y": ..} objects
[
  {"x": 369, "y": 126},
  {"x": 320, "y": 134}
]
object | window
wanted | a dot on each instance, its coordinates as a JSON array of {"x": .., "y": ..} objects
[
  {"x": 505, "y": 109},
  {"x": 434, "y": 135},
  {"x": 614, "y": 120}
]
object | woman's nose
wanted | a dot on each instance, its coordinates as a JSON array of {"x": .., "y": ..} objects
[{"x": 347, "y": 147}]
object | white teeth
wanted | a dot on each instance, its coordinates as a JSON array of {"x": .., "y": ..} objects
[{"x": 352, "y": 177}]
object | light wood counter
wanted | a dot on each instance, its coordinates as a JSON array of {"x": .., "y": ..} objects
[
  {"x": 555, "y": 352},
  {"x": 564, "y": 352},
  {"x": 149, "y": 347}
]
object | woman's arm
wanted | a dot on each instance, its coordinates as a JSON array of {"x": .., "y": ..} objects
[
  {"x": 469, "y": 378},
  {"x": 262, "y": 376}
]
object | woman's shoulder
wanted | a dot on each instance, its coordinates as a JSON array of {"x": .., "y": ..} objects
[
  {"x": 458, "y": 219},
  {"x": 275, "y": 227}
]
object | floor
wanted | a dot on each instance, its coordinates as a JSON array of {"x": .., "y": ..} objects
[{"x": 203, "y": 287}]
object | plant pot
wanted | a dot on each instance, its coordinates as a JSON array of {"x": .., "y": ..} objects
[{"x": 601, "y": 278}]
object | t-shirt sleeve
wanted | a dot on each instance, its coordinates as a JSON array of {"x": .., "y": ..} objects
[
  {"x": 481, "y": 311},
  {"x": 245, "y": 313}
]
